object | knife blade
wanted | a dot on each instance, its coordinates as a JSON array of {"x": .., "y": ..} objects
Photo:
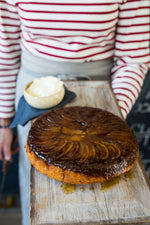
[{"x": 4, "y": 172}]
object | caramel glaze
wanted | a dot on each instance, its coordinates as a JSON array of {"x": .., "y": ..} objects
[{"x": 86, "y": 140}]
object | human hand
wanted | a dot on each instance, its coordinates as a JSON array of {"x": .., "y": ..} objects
[{"x": 6, "y": 138}]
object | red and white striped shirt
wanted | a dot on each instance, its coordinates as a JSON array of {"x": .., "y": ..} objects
[{"x": 76, "y": 31}]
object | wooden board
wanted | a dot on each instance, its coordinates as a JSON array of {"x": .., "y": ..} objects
[{"x": 125, "y": 200}]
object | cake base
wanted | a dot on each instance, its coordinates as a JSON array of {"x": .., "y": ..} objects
[{"x": 66, "y": 176}]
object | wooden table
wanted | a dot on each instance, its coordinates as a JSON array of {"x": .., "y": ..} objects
[{"x": 125, "y": 200}]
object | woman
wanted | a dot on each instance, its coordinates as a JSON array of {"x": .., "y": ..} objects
[{"x": 96, "y": 39}]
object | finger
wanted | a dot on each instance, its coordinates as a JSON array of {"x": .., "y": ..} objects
[
  {"x": 7, "y": 153},
  {"x": 15, "y": 147},
  {"x": 1, "y": 154},
  {"x": 15, "y": 140},
  {"x": 15, "y": 150}
]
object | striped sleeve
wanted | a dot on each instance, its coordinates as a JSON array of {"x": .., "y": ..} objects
[
  {"x": 131, "y": 56},
  {"x": 9, "y": 56}
]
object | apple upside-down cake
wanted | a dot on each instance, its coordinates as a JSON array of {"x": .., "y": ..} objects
[{"x": 81, "y": 145}]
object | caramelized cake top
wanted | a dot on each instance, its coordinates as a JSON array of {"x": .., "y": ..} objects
[{"x": 86, "y": 140}]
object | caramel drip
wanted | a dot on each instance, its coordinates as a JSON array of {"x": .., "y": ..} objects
[{"x": 68, "y": 188}]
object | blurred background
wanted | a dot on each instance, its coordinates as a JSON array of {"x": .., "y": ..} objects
[{"x": 139, "y": 121}]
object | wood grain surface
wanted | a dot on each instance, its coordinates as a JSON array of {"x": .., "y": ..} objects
[{"x": 124, "y": 200}]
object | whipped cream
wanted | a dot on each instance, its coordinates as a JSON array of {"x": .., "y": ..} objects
[{"x": 44, "y": 86}]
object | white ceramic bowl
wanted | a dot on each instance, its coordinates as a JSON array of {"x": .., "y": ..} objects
[{"x": 42, "y": 99}]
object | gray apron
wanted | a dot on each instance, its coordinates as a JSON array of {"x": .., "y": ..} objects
[{"x": 33, "y": 67}]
